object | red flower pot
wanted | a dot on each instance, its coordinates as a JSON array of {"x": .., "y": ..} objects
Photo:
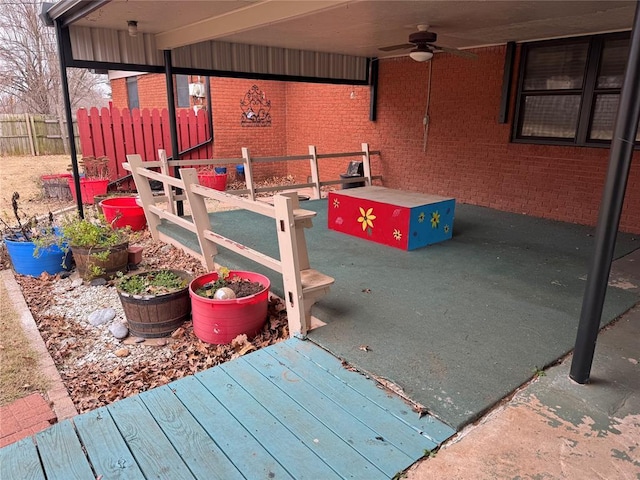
[
  {"x": 220, "y": 321},
  {"x": 125, "y": 211},
  {"x": 89, "y": 188},
  {"x": 217, "y": 181}
]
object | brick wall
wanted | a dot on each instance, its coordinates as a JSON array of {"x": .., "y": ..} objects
[
  {"x": 230, "y": 136},
  {"x": 152, "y": 91},
  {"x": 119, "y": 95},
  {"x": 468, "y": 154},
  {"x": 334, "y": 118}
]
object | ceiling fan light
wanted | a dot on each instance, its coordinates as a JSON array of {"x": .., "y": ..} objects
[{"x": 420, "y": 55}]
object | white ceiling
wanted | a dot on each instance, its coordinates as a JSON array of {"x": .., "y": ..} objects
[{"x": 360, "y": 27}]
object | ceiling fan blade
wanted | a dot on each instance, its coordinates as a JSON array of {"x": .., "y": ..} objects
[
  {"x": 455, "y": 51},
  {"x": 391, "y": 48}
]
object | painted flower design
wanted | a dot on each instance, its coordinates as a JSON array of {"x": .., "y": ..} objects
[
  {"x": 446, "y": 229},
  {"x": 421, "y": 217},
  {"x": 435, "y": 219},
  {"x": 397, "y": 234},
  {"x": 366, "y": 218},
  {"x": 336, "y": 203}
]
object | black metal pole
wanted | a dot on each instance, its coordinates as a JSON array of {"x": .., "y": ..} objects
[
  {"x": 622, "y": 144},
  {"x": 373, "y": 88},
  {"x": 207, "y": 82},
  {"x": 173, "y": 126},
  {"x": 64, "y": 84}
]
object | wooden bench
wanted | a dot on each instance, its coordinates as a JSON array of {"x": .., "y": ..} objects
[{"x": 303, "y": 286}]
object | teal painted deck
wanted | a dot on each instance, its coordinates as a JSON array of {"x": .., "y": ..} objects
[{"x": 287, "y": 411}]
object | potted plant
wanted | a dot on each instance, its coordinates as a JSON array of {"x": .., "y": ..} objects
[
  {"x": 94, "y": 179},
  {"x": 227, "y": 303},
  {"x": 99, "y": 249},
  {"x": 155, "y": 302},
  {"x": 33, "y": 248}
]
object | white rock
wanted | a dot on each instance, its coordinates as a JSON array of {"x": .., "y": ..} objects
[
  {"x": 102, "y": 316},
  {"x": 119, "y": 330},
  {"x": 224, "y": 293},
  {"x": 76, "y": 283}
]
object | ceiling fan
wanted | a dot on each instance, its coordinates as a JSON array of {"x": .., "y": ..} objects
[{"x": 423, "y": 45}]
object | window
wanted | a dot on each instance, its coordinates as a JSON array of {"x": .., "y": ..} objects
[
  {"x": 182, "y": 91},
  {"x": 569, "y": 90},
  {"x": 132, "y": 92}
]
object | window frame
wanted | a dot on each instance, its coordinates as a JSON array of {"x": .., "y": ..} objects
[
  {"x": 180, "y": 89},
  {"x": 588, "y": 92},
  {"x": 132, "y": 82}
]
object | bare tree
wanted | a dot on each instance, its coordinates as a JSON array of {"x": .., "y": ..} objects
[{"x": 29, "y": 65}]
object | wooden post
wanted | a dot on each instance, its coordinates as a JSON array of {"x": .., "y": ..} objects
[
  {"x": 35, "y": 136},
  {"x": 146, "y": 195},
  {"x": 200, "y": 217},
  {"x": 65, "y": 138},
  {"x": 248, "y": 173},
  {"x": 290, "y": 261},
  {"x": 29, "y": 134},
  {"x": 168, "y": 190},
  {"x": 366, "y": 163},
  {"x": 315, "y": 173}
]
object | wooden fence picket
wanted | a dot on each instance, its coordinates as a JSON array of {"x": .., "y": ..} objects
[{"x": 117, "y": 133}]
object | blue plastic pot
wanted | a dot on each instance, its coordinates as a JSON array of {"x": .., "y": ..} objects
[
  {"x": 220, "y": 169},
  {"x": 51, "y": 259}
]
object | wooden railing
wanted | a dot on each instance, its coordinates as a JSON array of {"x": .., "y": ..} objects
[
  {"x": 303, "y": 286},
  {"x": 248, "y": 161}
]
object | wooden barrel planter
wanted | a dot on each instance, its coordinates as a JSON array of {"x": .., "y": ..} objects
[
  {"x": 117, "y": 260},
  {"x": 155, "y": 316}
]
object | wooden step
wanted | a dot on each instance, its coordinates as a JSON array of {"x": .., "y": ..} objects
[
  {"x": 313, "y": 280},
  {"x": 302, "y": 214}
]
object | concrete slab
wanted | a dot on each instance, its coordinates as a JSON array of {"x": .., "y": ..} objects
[{"x": 555, "y": 428}]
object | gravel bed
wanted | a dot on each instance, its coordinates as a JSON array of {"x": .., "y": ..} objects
[{"x": 75, "y": 304}]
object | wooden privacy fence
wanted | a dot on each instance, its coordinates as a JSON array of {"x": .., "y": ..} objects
[
  {"x": 118, "y": 133},
  {"x": 33, "y": 134}
]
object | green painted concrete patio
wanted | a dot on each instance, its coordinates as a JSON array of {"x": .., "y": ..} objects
[{"x": 457, "y": 325}]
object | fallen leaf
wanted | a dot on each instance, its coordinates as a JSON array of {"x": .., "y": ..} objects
[
  {"x": 179, "y": 333},
  {"x": 246, "y": 349}
]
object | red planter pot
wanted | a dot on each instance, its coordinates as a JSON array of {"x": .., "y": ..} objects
[
  {"x": 217, "y": 181},
  {"x": 89, "y": 188},
  {"x": 125, "y": 211},
  {"x": 220, "y": 321}
]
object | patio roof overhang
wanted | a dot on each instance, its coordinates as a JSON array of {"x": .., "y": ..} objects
[
  {"x": 315, "y": 39},
  {"x": 335, "y": 41}
]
